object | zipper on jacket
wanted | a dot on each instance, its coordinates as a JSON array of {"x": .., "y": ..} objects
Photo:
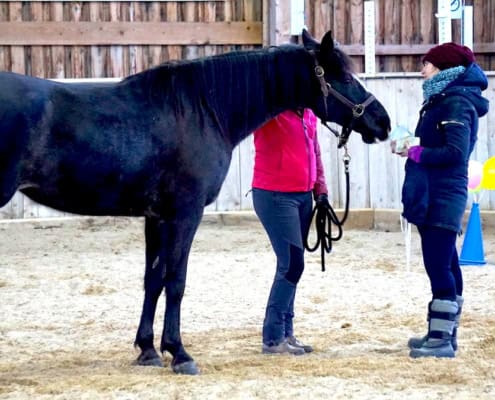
[
  {"x": 441, "y": 124},
  {"x": 306, "y": 139}
]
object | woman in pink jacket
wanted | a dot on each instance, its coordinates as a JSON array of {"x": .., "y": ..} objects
[{"x": 288, "y": 172}]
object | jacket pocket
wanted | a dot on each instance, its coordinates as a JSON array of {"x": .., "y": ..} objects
[{"x": 415, "y": 193}]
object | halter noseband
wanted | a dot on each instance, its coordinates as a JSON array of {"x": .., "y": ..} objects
[{"x": 357, "y": 109}]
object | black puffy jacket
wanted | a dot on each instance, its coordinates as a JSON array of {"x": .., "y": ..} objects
[{"x": 435, "y": 190}]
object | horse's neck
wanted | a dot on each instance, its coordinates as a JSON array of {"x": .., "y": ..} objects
[{"x": 256, "y": 89}]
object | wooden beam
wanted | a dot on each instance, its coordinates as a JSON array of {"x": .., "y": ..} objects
[
  {"x": 408, "y": 50},
  {"x": 119, "y": 1},
  {"x": 484, "y": 47},
  {"x": 129, "y": 33}
]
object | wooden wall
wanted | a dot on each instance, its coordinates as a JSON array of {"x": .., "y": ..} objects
[
  {"x": 405, "y": 30},
  {"x": 83, "y": 39},
  {"x": 376, "y": 175},
  {"x": 76, "y": 39}
]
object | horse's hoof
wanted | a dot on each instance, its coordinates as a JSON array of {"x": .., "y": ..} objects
[
  {"x": 186, "y": 368},
  {"x": 149, "y": 358}
]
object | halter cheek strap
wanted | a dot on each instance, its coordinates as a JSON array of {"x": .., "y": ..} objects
[{"x": 357, "y": 109}]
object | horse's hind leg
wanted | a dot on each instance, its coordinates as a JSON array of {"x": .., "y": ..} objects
[{"x": 153, "y": 285}]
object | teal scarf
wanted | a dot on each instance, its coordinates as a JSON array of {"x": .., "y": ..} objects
[{"x": 439, "y": 82}]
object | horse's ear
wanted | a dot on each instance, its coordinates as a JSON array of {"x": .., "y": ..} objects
[
  {"x": 309, "y": 42},
  {"x": 327, "y": 44}
]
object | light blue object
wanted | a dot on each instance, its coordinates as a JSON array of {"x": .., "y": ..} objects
[
  {"x": 403, "y": 138},
  {"x": 472, "y": 252},
  {"x": 400, "y": 132}
]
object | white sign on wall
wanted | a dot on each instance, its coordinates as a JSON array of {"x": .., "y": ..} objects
[
  {"x": 369, "y": 37},
  {"x": 444, "y": 21},
  {"x": 296, "y": 17},
  {"x": 456, "y": 7}
]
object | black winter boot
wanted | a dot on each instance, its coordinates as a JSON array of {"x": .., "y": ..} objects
[
  {"x": 417, "y": 342},
  {"x": 440, "y": 329}
]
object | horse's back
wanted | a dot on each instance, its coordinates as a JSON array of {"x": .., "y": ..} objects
[{"x": 111, "y": 149}]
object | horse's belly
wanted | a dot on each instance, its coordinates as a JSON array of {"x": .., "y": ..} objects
[{"x": 86, "y": 202}]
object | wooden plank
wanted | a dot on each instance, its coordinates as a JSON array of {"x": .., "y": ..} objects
[
  {"x": 98, "y": 53},
  {"x": 403, "y": 100},
  {"x": 155, "y": 50},
  {"x": 229, "y": 197},
  {"x": 14, "y": 209},
  {"x": 209, "y": 11},
  {"x": 324, "y": 17},
  {"x": 37, "y": 59},
  {"x": 356, "y": 34},
  {"x": 330, "y": 160},
  {"x": 173, "y": 52},
  {"x": 76, "y": 53},
  {"x": 356, "y": 15},
  {"x": 134, "y": 55},
  {"x": 267, "y": 23},
  {"x": 282, "y": 22},
  {"x": 128, "y": 33},
  {"x": 340, "y": 17},
  {"x": 246, "y": 162},
  {"x": 17, "y": 55},
  {"x": 124, "y": 1},
  {"x": 409, "y": 21},
  {"x": 116, "y": 52},
  {"x": 408, "y": 49},
  {"x": 57, "y": 52},
  {"x": 427, "y": 21},
  {"x": 391, "y": 22},
  {"x": 4, "y": 50},
  {"x": 191, "y": 51}
]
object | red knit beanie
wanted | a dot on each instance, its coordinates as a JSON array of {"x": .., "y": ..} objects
[{"x": 448, "y": 55}]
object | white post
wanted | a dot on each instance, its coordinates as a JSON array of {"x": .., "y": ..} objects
[
  {"x": 296, "y": 17},
  {"x": 444, "y": 22},
  {"x": 369, "y": 37},
  {"x": 467, "y": 27},
  {"x": 456, "y": 7}
]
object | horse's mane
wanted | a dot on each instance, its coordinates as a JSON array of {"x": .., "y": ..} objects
[
  {"x": 193, "y": 78},
  {"x": 197, "y": 74}
]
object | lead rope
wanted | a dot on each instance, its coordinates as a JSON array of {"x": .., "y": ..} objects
[{"x": 324, "y": 216}]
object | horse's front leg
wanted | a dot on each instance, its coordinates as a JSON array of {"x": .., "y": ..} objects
[
  {"x": 180, "y": 237},
  {"x": 153, "y": 285}
]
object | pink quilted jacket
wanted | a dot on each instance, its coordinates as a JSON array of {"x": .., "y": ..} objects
[{"x": 288, "y": 156}]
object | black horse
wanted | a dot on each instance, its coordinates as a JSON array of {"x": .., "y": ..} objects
[{"x": 159, "y": 143}]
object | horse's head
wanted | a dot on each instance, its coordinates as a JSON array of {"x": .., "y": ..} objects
[{"x": 340, "y": 96}]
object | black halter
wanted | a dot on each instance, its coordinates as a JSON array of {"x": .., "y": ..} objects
[
  {"x": 324, "y": 215},
  {"x": 357, "y": 109}
]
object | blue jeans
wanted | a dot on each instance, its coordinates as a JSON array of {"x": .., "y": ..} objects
[
  {"x": 441, "y": 262},
  {"x": 286, "y": 218}
]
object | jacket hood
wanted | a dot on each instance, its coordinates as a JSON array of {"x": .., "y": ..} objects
[{"x": 470, "y": 85}]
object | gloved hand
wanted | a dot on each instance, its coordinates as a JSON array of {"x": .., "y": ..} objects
[
  {"x": 322, "y": 200},
  {"x": 414, "y": 153}
]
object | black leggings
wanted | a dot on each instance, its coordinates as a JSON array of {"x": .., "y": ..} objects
[{"x": 441, "y": 261}]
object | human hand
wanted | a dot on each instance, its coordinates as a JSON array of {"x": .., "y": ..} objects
[
  {"x": 393, "y": 146},
  {"x": 322, "y": 200},
  {"x": 414, "y": 153},
  {"x": 401, "y": 149}
]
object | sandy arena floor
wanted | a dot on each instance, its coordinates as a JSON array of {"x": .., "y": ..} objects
[{"x": 70, "y": 301}]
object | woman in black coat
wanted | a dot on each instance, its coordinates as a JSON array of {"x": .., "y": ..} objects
[{"x": 434, "y": 193}]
